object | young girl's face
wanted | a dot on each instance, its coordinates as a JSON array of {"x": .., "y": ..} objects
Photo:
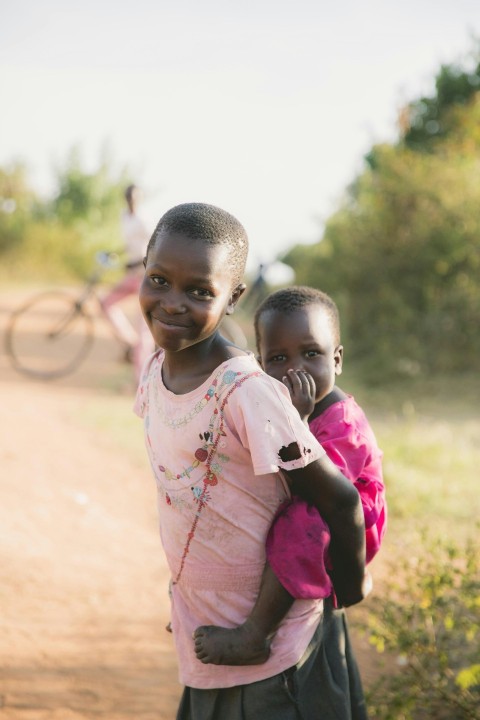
[
  {"x": 186, "y": 291},
  {"x": 301, "y": 340}
]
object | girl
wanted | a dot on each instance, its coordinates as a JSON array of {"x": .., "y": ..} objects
[{"x": 225, "y": 442}]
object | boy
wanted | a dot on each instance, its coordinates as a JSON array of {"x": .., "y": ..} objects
[{"x": 298, "y": 340}]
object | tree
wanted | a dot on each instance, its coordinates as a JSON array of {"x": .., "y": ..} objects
[
  {"x": 402, "y": 254},
  {"x": 91, "y": 201},
  {"x": 58, "y": 237},
  {"x": 427, "y": 120},
  {"x": 17, "y": 203}
]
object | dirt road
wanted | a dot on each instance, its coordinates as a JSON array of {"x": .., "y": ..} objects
[{"x": 83, "y": 582}]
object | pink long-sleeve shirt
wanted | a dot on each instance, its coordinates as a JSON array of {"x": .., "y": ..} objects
[{"x": 298, "y": 541}]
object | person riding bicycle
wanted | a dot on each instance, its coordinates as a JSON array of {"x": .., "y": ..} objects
[{"x": 137, "y": 340}]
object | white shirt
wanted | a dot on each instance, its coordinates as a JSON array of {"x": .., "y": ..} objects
[{"x": 135, "y": 235}]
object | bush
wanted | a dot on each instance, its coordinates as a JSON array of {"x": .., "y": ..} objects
[
  {"x": 57, "y": 239},
  {"x": 401, "y": 256},
  {"x": 431, "y": 622}
]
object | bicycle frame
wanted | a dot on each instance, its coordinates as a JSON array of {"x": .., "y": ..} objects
[{"x": 35, "y": 331}]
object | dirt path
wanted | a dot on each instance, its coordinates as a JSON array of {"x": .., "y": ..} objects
[{"x": 83, "y": 582}]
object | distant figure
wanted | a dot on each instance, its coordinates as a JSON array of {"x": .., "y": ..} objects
[
  {"x": 258, "y": 290},
  {"x": 137, "y": 340}
]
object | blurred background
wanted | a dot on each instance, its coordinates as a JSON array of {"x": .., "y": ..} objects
[{"x": 346, "y": 138}]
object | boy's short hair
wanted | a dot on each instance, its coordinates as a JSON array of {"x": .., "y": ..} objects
[
  {"x": 210, "y": 224},
  {"x": 290, "y": 299}
]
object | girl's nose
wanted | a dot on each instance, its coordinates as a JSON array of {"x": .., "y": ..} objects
[{"x": 173, "y": 303}]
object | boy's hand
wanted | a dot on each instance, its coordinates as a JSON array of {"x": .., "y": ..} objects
[
  {"x": 301, "y": 387},
  {"x": 348, "y": 595}
]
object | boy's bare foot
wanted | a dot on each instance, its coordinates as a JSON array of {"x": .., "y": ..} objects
[{"x": 237, "y": 646}]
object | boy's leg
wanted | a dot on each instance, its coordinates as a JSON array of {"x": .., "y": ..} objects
[
  {"x": 248, "y": 644},
  {"x": 318, "y": 686},
  {"x": 296, "y": 546}
]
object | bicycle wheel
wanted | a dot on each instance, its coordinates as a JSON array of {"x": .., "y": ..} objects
[{"x": 49, "y": 336}]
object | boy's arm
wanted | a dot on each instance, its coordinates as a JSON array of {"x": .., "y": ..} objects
[{"x": 322, "y": 485}]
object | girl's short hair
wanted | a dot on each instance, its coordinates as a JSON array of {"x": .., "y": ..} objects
[
  {"x": 290, "y": 299},
  {"x": 209, "y": 224}
]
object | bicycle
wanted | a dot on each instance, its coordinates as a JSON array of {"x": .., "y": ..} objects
[{"x": 51, "y": 334}]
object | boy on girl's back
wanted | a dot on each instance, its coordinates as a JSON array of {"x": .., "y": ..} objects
[
  {"x": 222, "y": 436},
  {"x": 298, "y": 339}
]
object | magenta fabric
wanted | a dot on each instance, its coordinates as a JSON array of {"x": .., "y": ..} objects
[
  {"x": 301, "y": 563},
  {"x": 298, "y": 540},
  {"x": 348, "y": 439}
]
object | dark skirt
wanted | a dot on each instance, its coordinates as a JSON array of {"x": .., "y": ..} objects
[{"x": 324, "y": 685}]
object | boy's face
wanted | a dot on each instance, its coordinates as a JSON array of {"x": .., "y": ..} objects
[
  {"x": 186, "y": 291},
  {"x": 301, "y": 340}
]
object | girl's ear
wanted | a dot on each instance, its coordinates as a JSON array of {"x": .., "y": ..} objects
[{"x": 235, "y": 297}]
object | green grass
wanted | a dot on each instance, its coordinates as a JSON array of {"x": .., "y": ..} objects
[
  {"x": 430, "y": 469},
  {"x": 430, "y": 436}
]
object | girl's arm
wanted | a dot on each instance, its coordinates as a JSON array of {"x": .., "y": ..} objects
[{"x": 322, "y": 485}]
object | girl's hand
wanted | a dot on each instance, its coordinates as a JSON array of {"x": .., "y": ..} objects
[{"x": 301, "y": 387}]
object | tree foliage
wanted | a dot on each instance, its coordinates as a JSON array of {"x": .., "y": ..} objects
[
  {"x": 402, "y": 254},
  {"x": 88, "y": 199},
  {"x": 17, "y": 202},
  {"x": 59, "y": 236},
  {"x": 428, "y": 120}
]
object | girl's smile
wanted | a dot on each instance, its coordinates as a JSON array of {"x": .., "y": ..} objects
[
  {"x": 186, "y": 291},
  {"x": 169, "y": 323}
]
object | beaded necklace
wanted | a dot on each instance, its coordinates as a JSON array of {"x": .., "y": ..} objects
[{"x": 206, "y": 454}]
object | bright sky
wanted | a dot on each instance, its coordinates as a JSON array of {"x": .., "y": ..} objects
[{"x": 263, "y": 107}]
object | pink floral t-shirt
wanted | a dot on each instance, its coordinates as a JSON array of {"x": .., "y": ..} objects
[
  {"x": 217, "y": 454},
  {"x": 348, "y": 439}
]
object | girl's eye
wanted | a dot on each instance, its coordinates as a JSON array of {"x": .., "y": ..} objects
[
  {"x": 278, "y": 358},
  {"x": 201, "y": 293},
  {"x": 312, "y": 353},
  {"x": 158, "y": 280}
]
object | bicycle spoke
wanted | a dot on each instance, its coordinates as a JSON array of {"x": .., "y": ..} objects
[{"x": 49, "y": 336}]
